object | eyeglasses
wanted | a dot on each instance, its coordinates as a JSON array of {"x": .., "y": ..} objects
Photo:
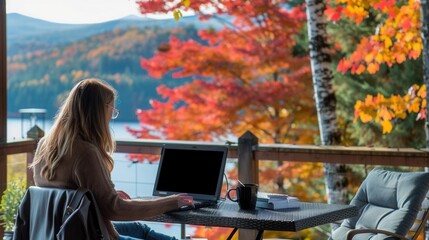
[{"x": 115, "y": 113}]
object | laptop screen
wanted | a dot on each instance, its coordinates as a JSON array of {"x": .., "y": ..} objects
[{"x": 184, "y": 168}]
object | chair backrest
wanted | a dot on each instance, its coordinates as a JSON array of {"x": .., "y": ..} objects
[
  {"x": 390, "y": 201},
  {"x": 55, "y": 213}
]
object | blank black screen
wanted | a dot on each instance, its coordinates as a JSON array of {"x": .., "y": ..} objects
[{"x": 184, "y": 170}]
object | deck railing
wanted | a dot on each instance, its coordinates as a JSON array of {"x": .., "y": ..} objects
[{"x": 249, "y": 153}]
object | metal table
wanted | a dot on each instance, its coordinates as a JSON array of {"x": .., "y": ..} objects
[{"x": 228, "y": 214}]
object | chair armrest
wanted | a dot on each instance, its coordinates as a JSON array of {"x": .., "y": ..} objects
[{"x": 352, "y": 233}]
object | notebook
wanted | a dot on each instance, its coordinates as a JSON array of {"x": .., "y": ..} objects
[{"x": 184, "y": 168}]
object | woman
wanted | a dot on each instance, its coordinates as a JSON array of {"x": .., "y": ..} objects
[{"x": 77, "y": 152}]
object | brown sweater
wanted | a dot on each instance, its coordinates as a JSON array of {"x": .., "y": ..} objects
[{"x": 85, "y": 169}]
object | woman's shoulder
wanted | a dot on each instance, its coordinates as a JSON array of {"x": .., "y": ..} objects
[
  {"x": 89, "y": 162},
  {"x": 87, "y": 150},
  {"x": 85, "y": 146}
]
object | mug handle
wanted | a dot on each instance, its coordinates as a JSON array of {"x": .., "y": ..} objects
[{"x": 229, "y": 197}]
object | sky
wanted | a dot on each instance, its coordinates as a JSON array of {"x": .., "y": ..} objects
[{"x": 75, "y": 11}]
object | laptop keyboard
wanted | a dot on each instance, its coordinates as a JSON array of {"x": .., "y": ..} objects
[{"x": 196, "y": 206}]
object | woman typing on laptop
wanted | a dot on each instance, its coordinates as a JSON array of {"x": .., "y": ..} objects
[{"x": 77, "y": 152}]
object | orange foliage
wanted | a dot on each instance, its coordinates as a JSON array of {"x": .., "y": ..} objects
[
  {"x": 213, "y": 233},
  {"x": 395, "y": 40},
  {"x": 383, "y": 110}
]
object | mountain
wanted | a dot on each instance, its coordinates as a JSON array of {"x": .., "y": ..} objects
[
  {"x": 22, "y": 26},
  {"x": 27, "y": 34},
  {"x": 46, "y": 59}
]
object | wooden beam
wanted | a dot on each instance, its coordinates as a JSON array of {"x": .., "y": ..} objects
[
  {"x": 3, "y": 99},
  {"x": 344, "y": 155},
  {"x": 19, "y": 146}
]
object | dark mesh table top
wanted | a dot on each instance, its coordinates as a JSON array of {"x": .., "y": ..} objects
[{"x": 228, "y": 214}]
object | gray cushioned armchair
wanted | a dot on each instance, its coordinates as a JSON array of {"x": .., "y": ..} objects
[{"x": 389, "y": 203}]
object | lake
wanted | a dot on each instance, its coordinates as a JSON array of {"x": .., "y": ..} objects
[
  {"x": 136, "y": 179},
  {"x": 14, "y": 126}
]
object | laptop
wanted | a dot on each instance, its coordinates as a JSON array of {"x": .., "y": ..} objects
[{"x": 184, "y": 168}]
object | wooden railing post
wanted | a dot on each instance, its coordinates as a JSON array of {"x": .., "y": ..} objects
[
  {"x": 3, "y": 101},
  {"x": 30, "y": 180},
  {"x": 35, "y": 133},
  {"x": 247, "y": 170},
  {"x": 247, "y": 164}
]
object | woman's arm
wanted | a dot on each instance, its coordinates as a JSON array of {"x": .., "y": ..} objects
[{"x": 91, "y": 173}]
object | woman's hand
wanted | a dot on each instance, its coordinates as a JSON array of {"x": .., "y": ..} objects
[
  {"x": 184, "y": 199},
  {"x": 123, "y": 194}
]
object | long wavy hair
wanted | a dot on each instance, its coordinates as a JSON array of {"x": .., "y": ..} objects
[{"x": 83, "y": 115}]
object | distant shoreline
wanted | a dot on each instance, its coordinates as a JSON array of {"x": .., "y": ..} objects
[{"x": 14, "y": 126}]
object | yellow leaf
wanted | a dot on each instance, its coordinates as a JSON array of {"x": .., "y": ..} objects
[
  {"x": 369, "y": 100},
  {"x": 379, "y": 57},
  {"x": 401, "y": 115},
  {"x": 387, "y": 126},
  {"x": 380, "y": 99},
  {"x": 373, "y": 68},
  {"x": 365, "y": 118},
  {"x": 422, "y": 91},
  {"x": 399, "y": 35},
  {"x": 415, "y": 105},
  {"x": 358, "y": 104},
  {"x": 417, "y": 46},
  {"x": 186, "y": 3},
  {"x": 407, "y": 98},
  {"x": 387, "y": 42},
  {"x": 369, "y": 57},
  {"x": 385, "y": 114},
  {"x": 409, "y": 36}
]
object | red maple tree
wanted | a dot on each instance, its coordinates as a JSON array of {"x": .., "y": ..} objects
[{"x": 245, "y": 77}]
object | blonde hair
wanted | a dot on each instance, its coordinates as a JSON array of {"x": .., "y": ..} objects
[{"x": 82, "y": 116}]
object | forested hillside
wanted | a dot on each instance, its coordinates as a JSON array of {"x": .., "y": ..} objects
[{"x": 42, "y": 74}]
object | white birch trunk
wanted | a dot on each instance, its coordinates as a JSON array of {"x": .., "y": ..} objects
[{"x": 335, "y": 174}]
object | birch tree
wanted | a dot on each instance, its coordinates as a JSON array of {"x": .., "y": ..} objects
[{"x": 324, "y": 96}]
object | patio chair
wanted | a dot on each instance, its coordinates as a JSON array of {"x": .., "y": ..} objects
[
  {"x": 392, "y": 205},
  {"x": 57, "y": 213}
]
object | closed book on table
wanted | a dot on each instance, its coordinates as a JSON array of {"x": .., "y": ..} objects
[
  {"x": 276, "y": 201},
  {"x": 271, "y": 197}
]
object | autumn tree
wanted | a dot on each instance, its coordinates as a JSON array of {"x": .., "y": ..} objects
[
  {"x": 246, "y": 76},
  {"x": 395, "y": 80},
  {"x": 397, "y": 39}
]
